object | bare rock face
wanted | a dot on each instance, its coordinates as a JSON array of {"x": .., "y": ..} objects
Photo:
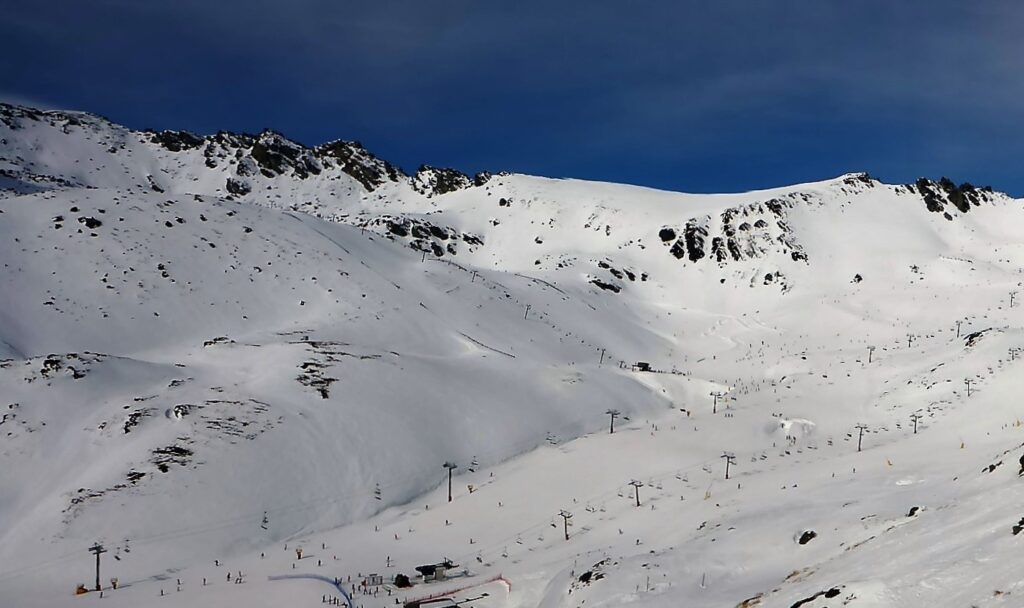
[
  {"x": 420, "y": 234},
  {"x": 695, "y": 236},
  {"x": 355, "y": 160},
  {"x": 433, "y": 181},
  {"x": 746, "y": 232},
  {"x": 271, "y": 154},
  {"x": 938, "y": 194},
  {"x": 277, "y": 155},
  {"x": 238, "y": 186},
  {"x": 176, "y": 141}
]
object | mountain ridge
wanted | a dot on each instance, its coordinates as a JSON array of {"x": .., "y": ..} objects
[
  {"x": 367, "y": 167},
  {"x": 200, "y": 369}
]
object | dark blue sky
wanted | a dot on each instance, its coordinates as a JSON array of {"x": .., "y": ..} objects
[{"x": 688, "y": 95}]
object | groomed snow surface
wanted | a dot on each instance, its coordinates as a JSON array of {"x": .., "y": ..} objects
[{"x": 205, "y": 381}]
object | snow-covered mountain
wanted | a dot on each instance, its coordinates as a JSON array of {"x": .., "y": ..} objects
[{"x": 216, "y": 346}]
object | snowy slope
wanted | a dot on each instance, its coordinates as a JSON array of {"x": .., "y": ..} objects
[{"x": 217, "y": 346}]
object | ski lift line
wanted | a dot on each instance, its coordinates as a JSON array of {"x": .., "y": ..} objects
[
  {"x": 147, "y": 540},
  {"x": 334, "y": 499},
  {"x": 295, "y": 217},
  {"x": 527, "y": 445},
  {"x": 11, "y": 574},
  {"x": 603, "y": 496},
  {"x": 314, "y": 228},
  {"x": 553, "y": 326},
  {"x": 600, "y": 497},
  {"x": 249, "y": 518},
  {"x": 339, "y": 498},
  {"x": 501, "y": 286},
  {"x": 497, "y": 546},
  {"x": 155, "y": 538},
  {"x": 542, "y": 282},
  {"x": 297, "y": 506}
]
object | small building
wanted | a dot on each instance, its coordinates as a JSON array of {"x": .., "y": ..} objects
[
  {"x": 435, "y": 572},
  {"x": 642, "y": 366}
]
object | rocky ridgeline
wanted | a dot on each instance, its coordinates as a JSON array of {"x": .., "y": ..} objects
[
  {"x": 269, "y": 154},
  {"x": 355, "y": 160},
  {"x": 432, "y": 181},
  {"x": 12, "y": 116},
  {"x": 941, "y": 195}
]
